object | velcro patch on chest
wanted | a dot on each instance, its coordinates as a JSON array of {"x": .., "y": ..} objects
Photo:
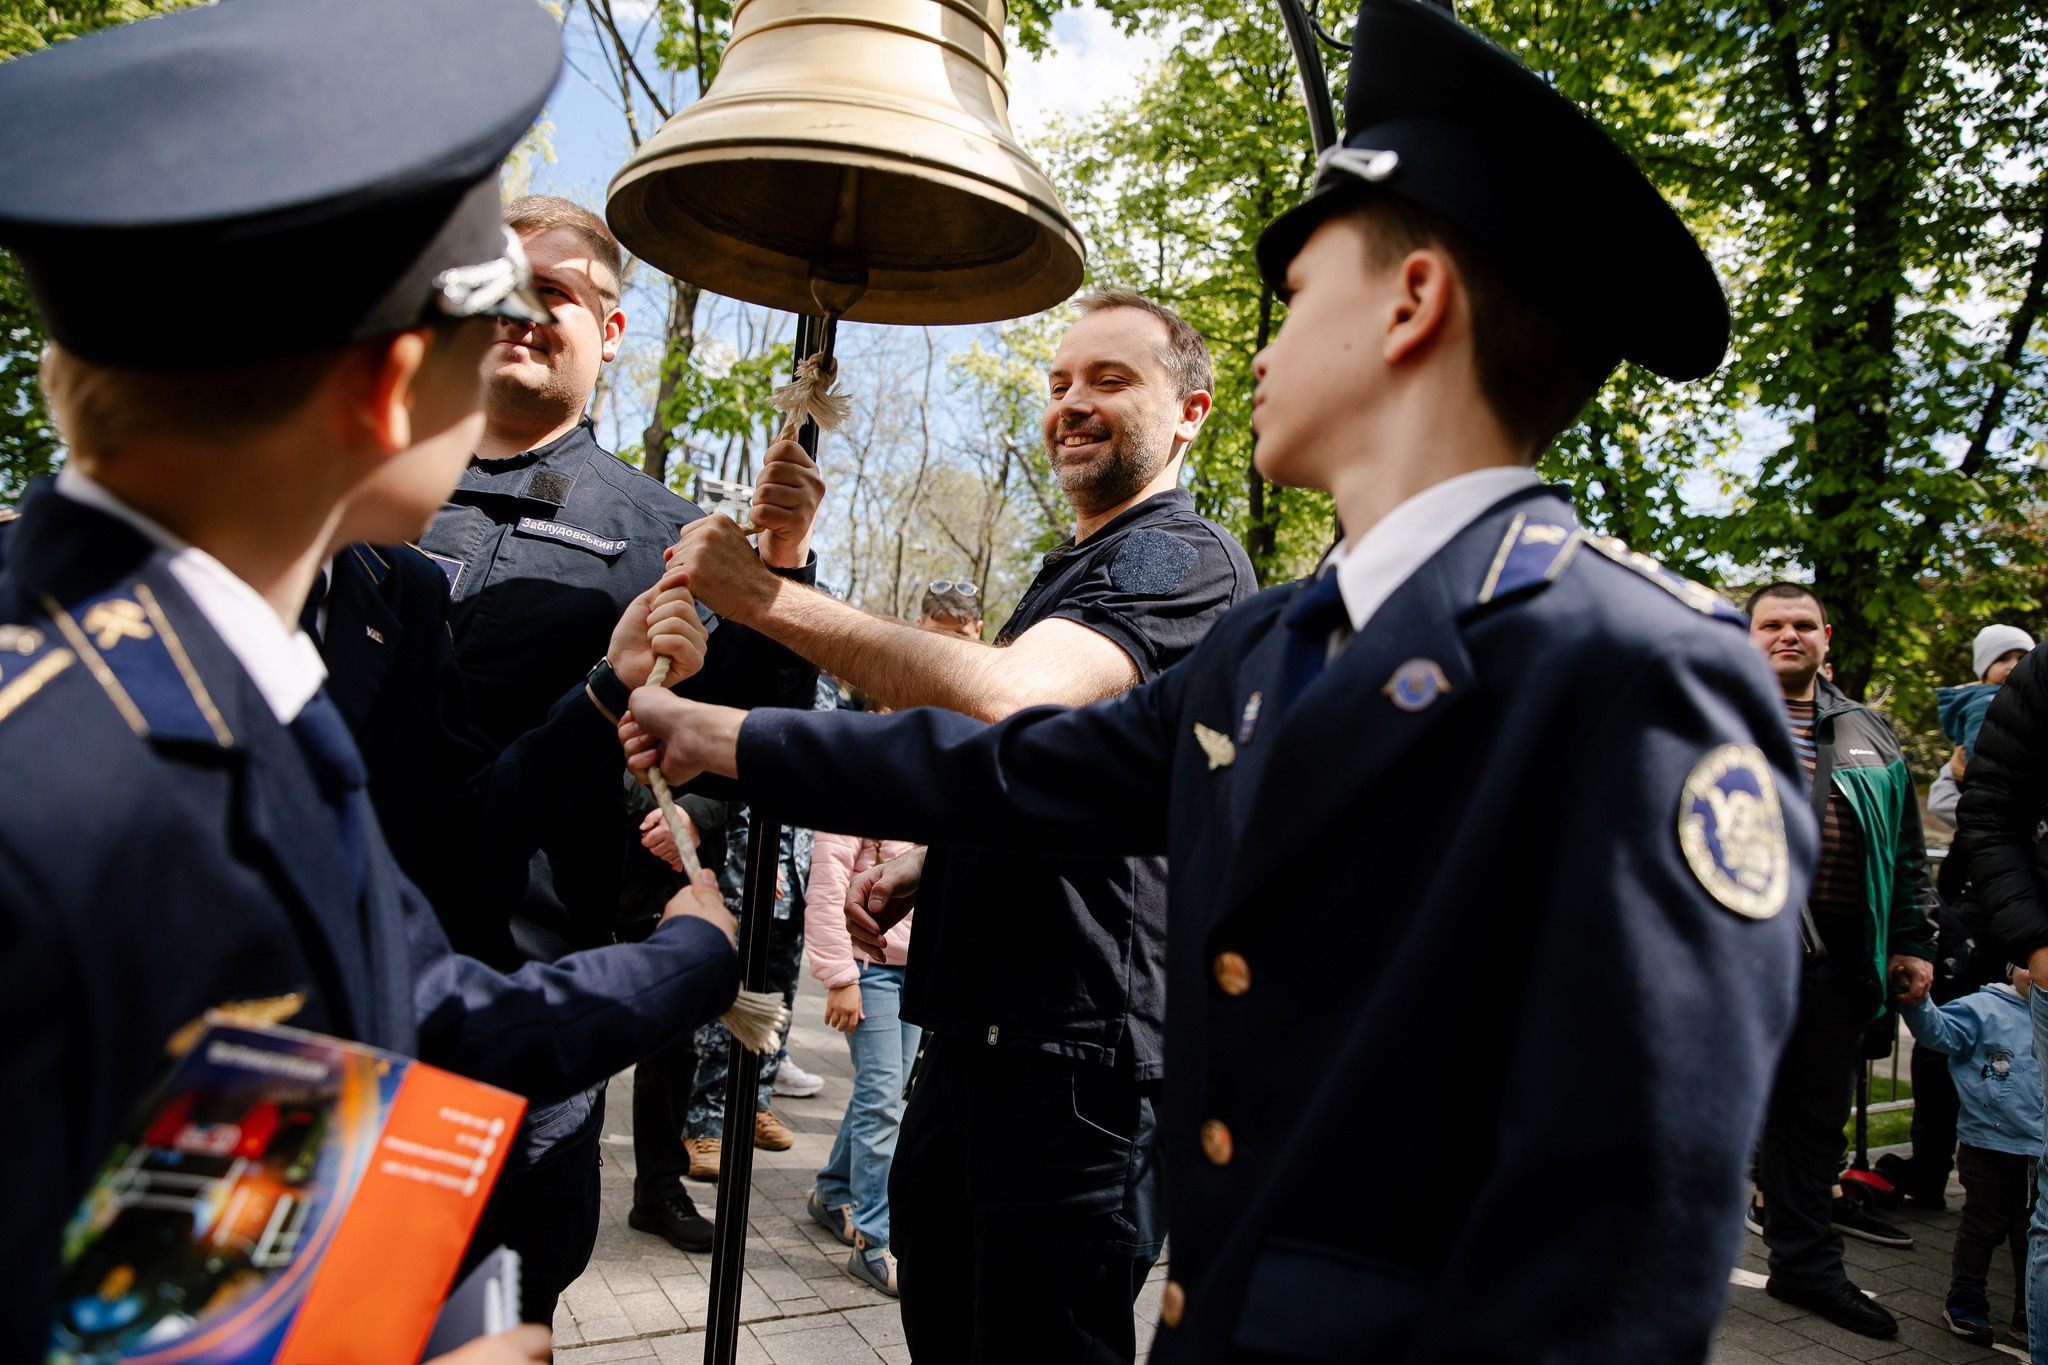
[
  {"x": 1151, "y": 563},
  {"x": 570, "y": 535}
]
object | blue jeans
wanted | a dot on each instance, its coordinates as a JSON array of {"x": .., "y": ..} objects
[
  {"x": 883, "y": 1046},
  {"x": 2037, "y": 1233}
]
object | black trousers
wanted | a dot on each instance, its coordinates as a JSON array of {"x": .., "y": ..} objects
[
  {"x": 1025, "y": 1207},
  {"x": 1801, "y": 1152},
  {"x": 1995, "y": 1190},
  {"x": 661, "y": 1102},
  {"x": 545, "y": 1206},
  {"x": 1936, "y": 1107}
]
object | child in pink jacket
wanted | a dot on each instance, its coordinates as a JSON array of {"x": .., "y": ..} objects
[{"x": 851, "y": 1198}]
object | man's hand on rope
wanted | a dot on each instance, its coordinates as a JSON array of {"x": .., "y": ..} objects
[
  {"x": 656, "y": 839},
  {"x": 671, "y": 630},
  {"x": 723, "y": 569},
  {"x": 685, "y": 737},
  {"x": 786, "y": 499},
  {"x": 878, "y": 898},
  {"x": 700, "y": 900}
]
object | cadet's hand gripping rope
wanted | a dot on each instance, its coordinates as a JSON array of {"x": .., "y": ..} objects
[{"x": 756, "y": 1018}]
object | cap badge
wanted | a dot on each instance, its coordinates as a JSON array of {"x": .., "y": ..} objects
[
  {"x": 1250, "y": 721},
  {"x": 1364, "y": 163},
  {"x": 1221, "y": 752},
  {"x": 467, "y": 290},
  {"x": 1732, "y": 831},
  {"x": 1416, "y": 684}
]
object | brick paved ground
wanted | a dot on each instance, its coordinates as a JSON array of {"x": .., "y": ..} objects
[{"x": 642, "y": 1300}]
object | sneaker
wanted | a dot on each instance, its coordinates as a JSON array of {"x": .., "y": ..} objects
[
  {"x": 874, "y": 1265},
  {"x": 795, "y": 1082},
  {"x": 1968, "y": 1316},
  {"x": 1851, "y": 1219},
  {"x": 1907, "y": 1180},
  {"x": 1843, "y": 1304},
  {"x": 771, "y": 1134},
  {"x": 1753, "y": 1216},
  {"x": 676, "y": 1221},
  {"x": 838, "y": 1222},
  {"x": 703, "y": 1157}
]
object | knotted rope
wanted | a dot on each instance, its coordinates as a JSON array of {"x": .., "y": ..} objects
[{"x": 756, "y": 1018}]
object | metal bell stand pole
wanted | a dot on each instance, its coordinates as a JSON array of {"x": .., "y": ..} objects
[{"x": 743, "y": 1068}]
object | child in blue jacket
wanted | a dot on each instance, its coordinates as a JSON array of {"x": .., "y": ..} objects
[{"x": 1988, "y": 1037}]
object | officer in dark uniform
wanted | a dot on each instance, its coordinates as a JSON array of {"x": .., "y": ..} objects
[
  {"x": 545, "y": 545},
  {"x": 183, "y": 825},
  {"x": 1482, "y": 840}
]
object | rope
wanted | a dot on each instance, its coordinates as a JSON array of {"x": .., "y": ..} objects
[{"x": 756, "y": 1018}]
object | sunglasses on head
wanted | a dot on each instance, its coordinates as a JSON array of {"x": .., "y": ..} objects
[{"x": 948, "y": 585}]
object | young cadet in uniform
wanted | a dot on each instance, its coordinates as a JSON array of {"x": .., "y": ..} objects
[
  {"x": 547, "y": 540},
  {"x": 1561, "y": 764},
  {"x": 183, "y": 826},
  {"x": 1024, "y": 1193}
]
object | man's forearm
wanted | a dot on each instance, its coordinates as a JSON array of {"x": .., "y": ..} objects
[{"x": 896, "y": 664}]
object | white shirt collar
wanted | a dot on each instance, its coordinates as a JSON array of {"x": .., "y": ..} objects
[
  {"x": 1371, "y": 567},
  {"x": 283, "y": 663}
]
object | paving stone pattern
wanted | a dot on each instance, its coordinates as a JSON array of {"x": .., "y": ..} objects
[{"x": 642, "y": 1300}]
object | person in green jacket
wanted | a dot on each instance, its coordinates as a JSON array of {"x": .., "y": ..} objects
[{"x": 1869, "y": 924}]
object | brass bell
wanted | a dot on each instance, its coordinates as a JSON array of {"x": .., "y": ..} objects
[{"x": 854, "y": 158}]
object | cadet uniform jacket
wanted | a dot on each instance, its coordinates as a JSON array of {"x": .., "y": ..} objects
[
  {"x": 164, "y": 852},
  {"x": 1496, "y": 914}
]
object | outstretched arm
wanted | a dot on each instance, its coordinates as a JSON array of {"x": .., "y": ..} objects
[
  {"x": 1086, "y": 780},
  {"x": 552, "y": 1029}
]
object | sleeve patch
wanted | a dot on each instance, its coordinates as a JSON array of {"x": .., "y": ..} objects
[
  {"x": 1732, "y": 831},
  {"x": 1151, "y": 563}
]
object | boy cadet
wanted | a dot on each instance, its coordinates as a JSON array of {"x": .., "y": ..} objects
[
  {"x": 1555, "y": 759},
  {"x": 182, "y": 824}
]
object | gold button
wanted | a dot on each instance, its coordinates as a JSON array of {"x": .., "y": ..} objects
[
  {"x": 1233, "y": 973},
  {"x": 1172, "y": 1304},
  {"x": 1216, "y": 1144}
]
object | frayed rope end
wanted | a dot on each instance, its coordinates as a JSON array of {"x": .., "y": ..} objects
[{"x": 756, "y": 1021}]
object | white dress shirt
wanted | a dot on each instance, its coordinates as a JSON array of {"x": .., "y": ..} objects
[
  {"x": 1371, "y": 567},
  {"x": 281, "y": 661}
]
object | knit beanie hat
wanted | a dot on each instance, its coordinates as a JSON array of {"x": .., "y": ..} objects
[{"x": 1994, "y": 643}]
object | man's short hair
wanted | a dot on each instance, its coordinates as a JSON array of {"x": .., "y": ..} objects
[
  {"x": 1526, "y": 370},
  {"x": 1783, "y": 588},
  {"x": 1186, "y": 356},
  {"x": 532, "y": 213},
  {"x": 952, "y": 603}
]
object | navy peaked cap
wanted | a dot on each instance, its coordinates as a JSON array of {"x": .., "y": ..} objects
[
  {"x": 1437, "y": 115},
  {"x": 325, "y": 170}
]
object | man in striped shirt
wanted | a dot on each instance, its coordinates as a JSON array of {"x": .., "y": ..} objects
[{"x": 1871, "y": 916}]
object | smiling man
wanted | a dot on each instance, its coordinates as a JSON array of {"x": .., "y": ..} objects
[
  {"x": 1870, "y": 919},
  {"x": 546, "y": 541},
  {"x": 1024, "y": 1194}
]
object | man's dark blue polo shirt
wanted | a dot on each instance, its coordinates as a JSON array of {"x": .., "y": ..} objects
[{"x": 1068, "y": 955}]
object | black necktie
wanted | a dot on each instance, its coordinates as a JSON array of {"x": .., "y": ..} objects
[
  {"x": 1309, "y": 621},
  {"x": 337, "y": 769},
  {"x": 309, "y": 615}
]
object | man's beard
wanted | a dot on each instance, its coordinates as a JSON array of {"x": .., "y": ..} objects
[{"x": 1134, "y": 457}]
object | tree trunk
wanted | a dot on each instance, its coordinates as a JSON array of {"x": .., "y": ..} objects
[{"x": 679, "y": 339}]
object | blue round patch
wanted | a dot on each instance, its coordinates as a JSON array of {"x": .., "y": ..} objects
[{"x": 1732, "y": 831}]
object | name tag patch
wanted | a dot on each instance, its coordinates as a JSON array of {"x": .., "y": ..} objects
[
  {"x": 569, "y": 535},
  {"x": 451, "y": 569}
]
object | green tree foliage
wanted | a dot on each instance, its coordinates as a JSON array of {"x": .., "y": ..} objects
[
  {"x": 28, "y": 440},
  {"x": 1870, "y": 175}
]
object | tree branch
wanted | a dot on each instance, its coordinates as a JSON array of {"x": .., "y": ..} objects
[
  {"x": 601, "y": 10},
  {"x": 2023, "y": 320}
]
